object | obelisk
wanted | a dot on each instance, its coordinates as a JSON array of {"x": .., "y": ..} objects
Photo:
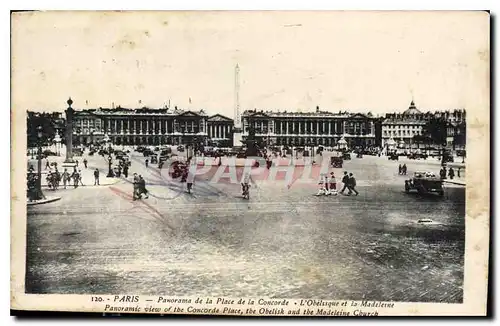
[{"x": 237, "y": 132}]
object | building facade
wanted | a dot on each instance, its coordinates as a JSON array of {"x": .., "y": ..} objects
[
  {"x": 401, "y": 128},
  {"x": 143, "y": 126},
  {"x": 220, "y": 131},
  {"x": 309, "y": 128}
]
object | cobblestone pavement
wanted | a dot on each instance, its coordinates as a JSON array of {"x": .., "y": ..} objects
[{"x": 283, "y": 242}]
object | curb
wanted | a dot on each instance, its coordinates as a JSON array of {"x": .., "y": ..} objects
[{"x": 43, "y": 201}]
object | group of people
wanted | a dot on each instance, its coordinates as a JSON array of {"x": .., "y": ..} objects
[
  {"x": 54, "y": 177},
  {"x": 328, "y": 184},
  {"x": 139, "y": 187},
  {"x": 402, "y": 169},
  {"x": 450, "y": 173}
]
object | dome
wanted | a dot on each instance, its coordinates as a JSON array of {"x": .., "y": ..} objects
[{"x": 412, "y": 110}]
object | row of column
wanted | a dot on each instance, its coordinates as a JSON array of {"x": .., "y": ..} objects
[
  {"x": 318, "y": 141},
  {"x": 329, "y": 127},
  {"x": 140, "y": 126},
  {"x": 219, "y": 131}
]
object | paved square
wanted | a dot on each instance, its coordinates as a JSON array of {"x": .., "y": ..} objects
[{"x": 283, "y": 242}]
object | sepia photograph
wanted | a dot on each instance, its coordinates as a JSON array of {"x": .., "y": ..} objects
[{"x": 250, "y": 163}]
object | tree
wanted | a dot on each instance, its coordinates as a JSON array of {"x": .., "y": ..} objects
[
  {"x": 48, "y": 128},
  {"x": 436, "y": 130}
]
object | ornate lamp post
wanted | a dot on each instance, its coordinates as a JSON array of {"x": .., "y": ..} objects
[
  {"x": 39, "y": 172},
  {"x": 111, "y": 174}
]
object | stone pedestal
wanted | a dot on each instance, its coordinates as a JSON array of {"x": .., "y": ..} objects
[{"x": 237, "y": 137}]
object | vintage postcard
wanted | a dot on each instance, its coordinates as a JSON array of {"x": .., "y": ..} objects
[{"x": 313, "y": 163}]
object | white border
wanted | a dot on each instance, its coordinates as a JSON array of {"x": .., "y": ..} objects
[{"x": 192, "y": 5}]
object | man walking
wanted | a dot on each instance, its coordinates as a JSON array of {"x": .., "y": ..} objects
[
  {"x": 136, "y": 194},
  {"x": 85, "y": 162},
  {"x": 142, "y": 187},
  {"x": 345, "y": 181},
  {"x": 96, "y": 177},
  {"x": 352, "y": 184},
  {"x": 75, "y": 178},
  {"x": 65, "y": 177},
  {"x": 451, "y": 173},
  {"x": 80, "y": 177}
]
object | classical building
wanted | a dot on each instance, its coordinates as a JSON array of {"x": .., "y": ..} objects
[
  {"x": 142, "y": 126},
  {"x": 220, "y": 131},
  {"x": 401, "y": 128},
  {"x": 309, "y": 128}
]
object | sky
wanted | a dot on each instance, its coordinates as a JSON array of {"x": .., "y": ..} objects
[{"x": 358, "y": 61}]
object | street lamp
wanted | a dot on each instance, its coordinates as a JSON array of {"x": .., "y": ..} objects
[
  {"x": 111, "y": 174},
  {"x": 39, "y": 180}
]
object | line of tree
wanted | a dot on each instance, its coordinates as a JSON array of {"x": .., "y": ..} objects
[{"x": 50, "y": 124}]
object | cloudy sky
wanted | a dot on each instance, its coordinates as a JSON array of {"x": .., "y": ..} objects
[{"x": 359, "y": 61}]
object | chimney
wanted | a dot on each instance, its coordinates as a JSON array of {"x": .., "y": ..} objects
[{"x": 317, "y": 109}]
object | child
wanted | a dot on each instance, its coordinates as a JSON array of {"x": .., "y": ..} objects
[
  {"x": 322, "y": 186},
  {"x": 333, "y": 184}
]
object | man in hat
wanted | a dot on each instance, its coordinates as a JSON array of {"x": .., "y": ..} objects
[
  {"x": 345, "y": 181},
  {"x": 352, "y": 184}
]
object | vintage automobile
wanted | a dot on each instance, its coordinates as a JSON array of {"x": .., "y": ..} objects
[
  {"x": 336, "y": 161},
  {"x": 147, "y": 152},
  {"x": 154, "y": 159},
  {"x": 359, "y": 155},
  {"x": 424, "y": 183},
  {"x": 393, "y": 156},
  {"x": 346, "y": 156},
  {"x": 417, "y": 156}
]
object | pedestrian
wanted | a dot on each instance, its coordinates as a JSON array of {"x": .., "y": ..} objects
[
  {"x": 325, "y": 182},
  {"x": 125, "y": 170},
  {"x": 352, "y": 184},
  {"x": 75, "y": 178},
  {"x": 65, "y": 177},
  {"x": 400, "y": 169},
  {"x": 136, "y": 194},
  {"x": 403, "y": 169},
  {"x": 451, "y": 173},
  {"x": 57, "y": 176},
  {"x": 322, "y": 187},
  {"x": 442, "y": 173},
  {"x": 142, "y": 187},
  {"x": 76, "y": 161},
  {"x": 190, "y": 181},
  {"x": 85, "y": 162},
  {"x": 333, "y": 184},
  {"x": 147, "y": 162},
  {"x": 458, "y": 172},
  {"x": 345, "y": 181},
  {"x": 47, "y": 164},
  {"x": 80, "y": 177},
  {"x": 96, "y": 177}
]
